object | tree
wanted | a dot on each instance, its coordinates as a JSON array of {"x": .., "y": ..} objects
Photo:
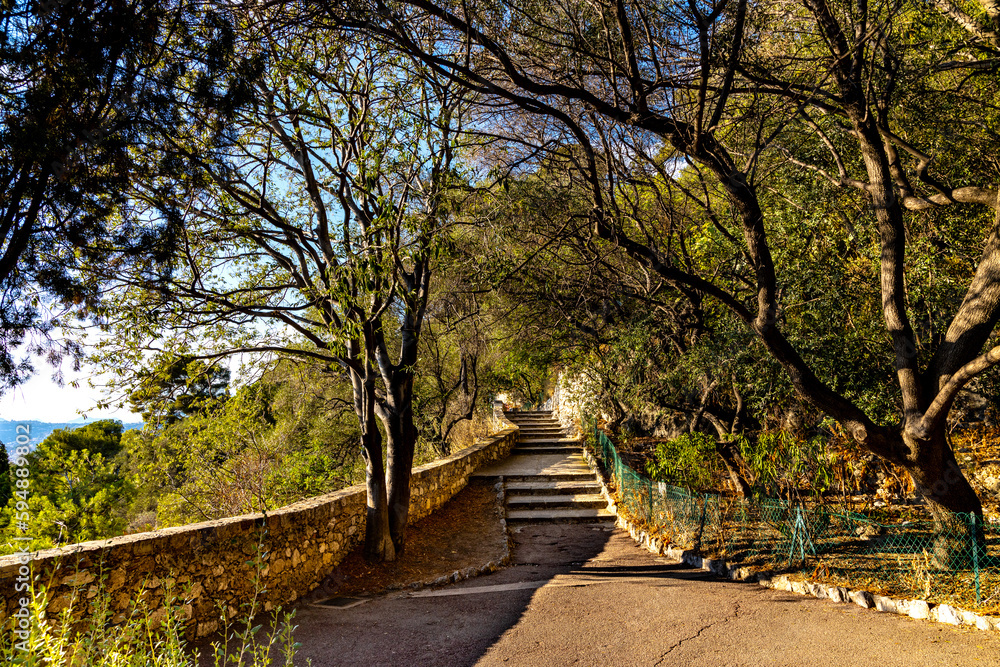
[
  {"x": 643, "y": 91},
  {"x": 6, "y": 481},
  {"x": 311, "y": 230},
  {"x": 177, "y": 387},
  {"x": 289, "y": 435},
  {"x": 78, "y": 90},
  {"x": 78, "y": 487},
  {"x": 455, "y": 339}
]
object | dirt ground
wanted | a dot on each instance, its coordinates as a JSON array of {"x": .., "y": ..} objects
[{"x": 466, "y": 532}]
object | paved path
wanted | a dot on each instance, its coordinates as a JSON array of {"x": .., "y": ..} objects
[{"x": 586, "y": 595}]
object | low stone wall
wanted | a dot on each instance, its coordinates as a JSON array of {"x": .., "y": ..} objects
[{"x": 219, "y": 563}]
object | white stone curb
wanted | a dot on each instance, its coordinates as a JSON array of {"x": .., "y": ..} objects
[{"x": 918, "y": 609}]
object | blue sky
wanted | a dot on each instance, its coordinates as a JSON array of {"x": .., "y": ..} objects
[{"x": 42, "y": 399}]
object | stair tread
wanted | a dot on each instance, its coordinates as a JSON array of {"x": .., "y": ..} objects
[
  {"x": 532, "y": 486},
  {"x": 554, "y": 450},
  {"x": 547, "y": 440},
  {"x": 576, "y": 497},
  {"x": 560, "y": 513},
  {"x": 567, "y": 476}
]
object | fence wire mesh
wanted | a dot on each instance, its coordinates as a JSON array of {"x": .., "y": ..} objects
[{"x": 956, "y": 562}]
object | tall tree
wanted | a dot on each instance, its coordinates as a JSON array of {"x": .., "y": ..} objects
[
  {"x": 175, "y": 388},
  {"x": 78, "y": 487},
  {"x": 311, "y": 227}
]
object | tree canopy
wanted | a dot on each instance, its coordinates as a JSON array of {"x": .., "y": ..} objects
[{"x": 728, "y": 210}]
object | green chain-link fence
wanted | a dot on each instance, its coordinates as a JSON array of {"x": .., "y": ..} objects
[{"x": 958, "y": 563}]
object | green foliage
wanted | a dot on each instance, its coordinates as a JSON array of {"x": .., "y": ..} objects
[
  {"x": 688, "y": 460},
  {"x": 6, "y": 481},
  {"x": 77, "y": 94},
  {"x": 523, "y": 371},
  {"x": 77, "y": 489},
  {"x": 279, "y": 440},
  {"x": 782, "y": 465},
  {"x": 176, "y": 387}
]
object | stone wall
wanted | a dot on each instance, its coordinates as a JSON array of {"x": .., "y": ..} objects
[
  {"x": 573, "y": 396},
  {"x": 289, "y": 551}
]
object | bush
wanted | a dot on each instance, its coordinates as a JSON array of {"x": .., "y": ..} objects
[
  {"x": 689, "y": 460},
  {"x": 782, "y": 464}
]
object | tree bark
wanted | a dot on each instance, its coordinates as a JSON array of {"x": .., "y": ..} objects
[
  {"x": 378, "y": 538},
  {"x": 730, "y": 455},
  {"x": 401, "y": 443},
  {"x": 396, "y": 408}
]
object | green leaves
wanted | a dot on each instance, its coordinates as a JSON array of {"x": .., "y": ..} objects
[
  {"x": 176, "y": 387},
  {"x": 274, "y": 442},
  {"x": 782, "y": 464},
  {"x": 78, "y": 488},
  {"x": 688, "y": 460}
]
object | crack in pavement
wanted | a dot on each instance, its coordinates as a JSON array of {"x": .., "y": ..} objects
[{"x": 735, "y": 614}]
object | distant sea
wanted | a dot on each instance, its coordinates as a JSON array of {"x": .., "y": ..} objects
[{"x": 38, "y": 431}]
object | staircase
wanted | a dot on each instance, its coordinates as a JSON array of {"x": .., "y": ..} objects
[{"x": 548, "y": 480}]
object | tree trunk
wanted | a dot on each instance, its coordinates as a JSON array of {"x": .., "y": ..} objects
[
  {"x": 731, "y": 458},
  {"x": 378, "y": 539},
  {"x": 950, "y": 499},
  {"x": 402, "y": 440},
  {"x": 730, "y": 455}
]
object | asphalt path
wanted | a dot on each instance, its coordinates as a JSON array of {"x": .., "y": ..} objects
[{"x": 586, "y": 595}]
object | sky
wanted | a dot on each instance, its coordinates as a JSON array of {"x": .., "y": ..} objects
[{"x": 41, "y": 399}]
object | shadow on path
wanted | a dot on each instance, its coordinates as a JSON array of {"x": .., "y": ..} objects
[
  {"x": 455, "y": 625},
  {"x": 586, "y": 595}
]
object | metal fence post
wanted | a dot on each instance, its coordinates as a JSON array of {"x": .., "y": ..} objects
[
  {"x": 975, "y": 553},
  {"x": 649, "y": 485},
  {"x": 701, "y": 524}
]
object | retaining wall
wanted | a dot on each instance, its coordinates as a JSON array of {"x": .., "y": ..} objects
[{"x": 290, "y": 551}]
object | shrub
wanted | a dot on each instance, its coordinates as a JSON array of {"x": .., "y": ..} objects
[{"x": 689, "y": 460}]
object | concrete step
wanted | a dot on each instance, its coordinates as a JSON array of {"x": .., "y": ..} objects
[
  {"x": 549, "y": 441},
  {"x": 576, "y": 501},
  {"x": 551, "y": 449},
  {"x": 552, "y": 487},
  {"x": 560, "y": 515},
  {"x": 567, "y": 476},
  {"x": 526, "y": 428}
]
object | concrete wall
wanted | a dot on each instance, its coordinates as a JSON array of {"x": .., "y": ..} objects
[{"x": 290, "y": 550}]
